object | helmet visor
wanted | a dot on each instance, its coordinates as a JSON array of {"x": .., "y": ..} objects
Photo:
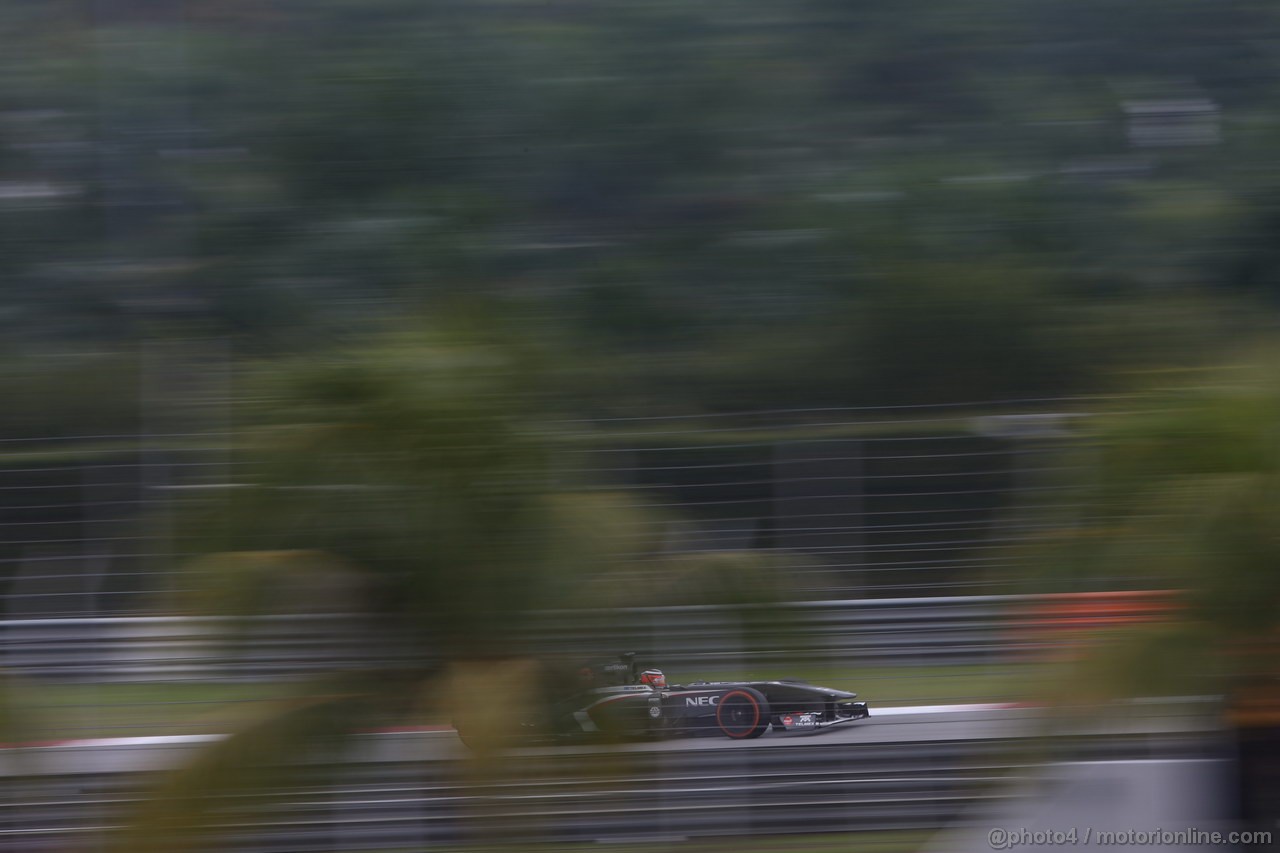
[{"x": 654, "y": 678}]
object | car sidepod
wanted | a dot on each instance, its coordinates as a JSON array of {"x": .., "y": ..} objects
[{"x": 624, "y": 710}]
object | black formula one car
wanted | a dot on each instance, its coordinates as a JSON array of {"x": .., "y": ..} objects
[{"x": 622, "y": 700}]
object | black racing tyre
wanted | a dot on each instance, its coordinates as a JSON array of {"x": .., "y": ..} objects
[
  {"x": 743, "y": 713},
  {"x": 463, "y": 735}
]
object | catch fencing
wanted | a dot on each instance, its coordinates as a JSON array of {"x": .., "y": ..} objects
[{"x": 867, "y": 502}]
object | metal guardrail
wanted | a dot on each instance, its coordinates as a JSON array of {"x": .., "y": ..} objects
[
  {"x": 956, "y": 629},
  {"x": 900, "y": 630},
  {"x": 180, "y": 648}
]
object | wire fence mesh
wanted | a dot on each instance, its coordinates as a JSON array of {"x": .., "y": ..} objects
[{"x": 866, "y": 502}]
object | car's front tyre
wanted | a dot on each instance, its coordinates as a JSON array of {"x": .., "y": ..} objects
[{"x": 743, "y": 713}]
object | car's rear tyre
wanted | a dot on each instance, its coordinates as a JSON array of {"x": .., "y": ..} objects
[{"x": 743, "y": 713}]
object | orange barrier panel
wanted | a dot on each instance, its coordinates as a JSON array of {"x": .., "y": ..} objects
[{"x": 1059, "y": 620}]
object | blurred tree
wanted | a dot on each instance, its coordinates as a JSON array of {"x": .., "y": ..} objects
[
  {"x": 950, "y": 332},
  {"x": 1188, "y": 493},
  {"x": 70, "y": 395},
  {"x": 410, "y": 484},
  {"x": 419, "y": 463},
  {"x": 654, "y": 185},
  {"x": 415, "y": 484}
]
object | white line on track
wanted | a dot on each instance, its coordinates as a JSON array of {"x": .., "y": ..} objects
[{"x": 913, "y": 710}]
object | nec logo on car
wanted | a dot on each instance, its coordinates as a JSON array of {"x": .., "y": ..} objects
[{"x": 701, "y": 700}]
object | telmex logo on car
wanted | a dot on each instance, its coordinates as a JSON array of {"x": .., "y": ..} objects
[{"x": 701, "y": 700}]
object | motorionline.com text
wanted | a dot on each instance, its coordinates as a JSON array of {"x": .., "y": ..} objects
[{"x": 1002, "y": 838}]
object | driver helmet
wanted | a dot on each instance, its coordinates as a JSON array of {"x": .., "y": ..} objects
[{"x": 654, "y": 678}]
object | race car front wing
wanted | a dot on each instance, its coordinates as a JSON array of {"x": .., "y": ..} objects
[{"x": 846, "y": 712}]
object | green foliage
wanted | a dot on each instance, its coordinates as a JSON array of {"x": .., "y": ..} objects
[
  {"x": 871, "y": 189},
  {"x": 415, "y": 465},
  {"x": 1158, "y": 659},
  {"x": 71, "y": 394},
  {"x": 934, "y": 330},
  {"x": 1186, "y": 491}
]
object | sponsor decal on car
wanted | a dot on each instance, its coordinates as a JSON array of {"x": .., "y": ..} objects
[
  {"x": 799, "y": 721},
  {"x": 705, "y": 701}
]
